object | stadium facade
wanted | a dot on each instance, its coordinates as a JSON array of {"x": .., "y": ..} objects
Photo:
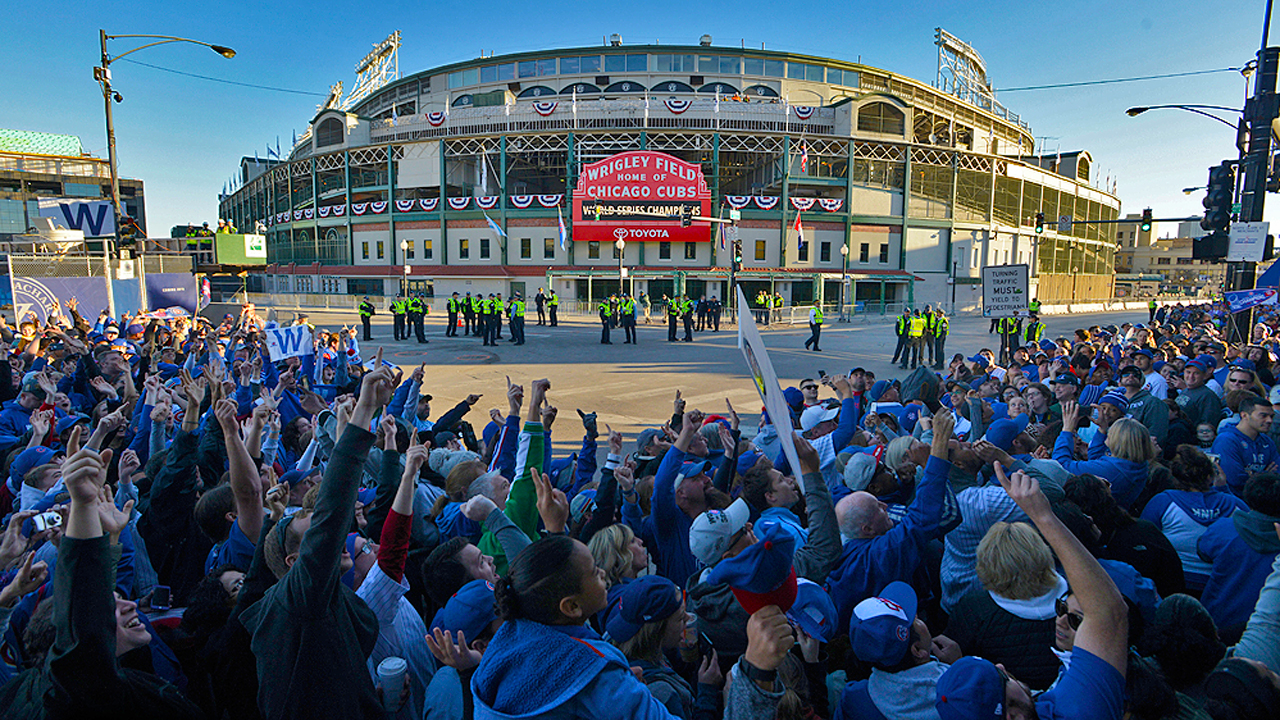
[{"x": 458, "y": 178}]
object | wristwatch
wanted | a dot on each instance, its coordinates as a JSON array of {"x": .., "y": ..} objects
[{"x": 756, "y": 674}]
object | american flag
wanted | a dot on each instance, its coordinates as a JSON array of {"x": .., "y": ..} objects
[
  {"x": 799, "y": 232},
  {"x": 804, "y": 157},
  {"x": 563, "y": 234}
]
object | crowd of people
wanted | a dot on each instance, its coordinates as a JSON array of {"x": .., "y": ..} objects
[{"x": 194, "y": 530}]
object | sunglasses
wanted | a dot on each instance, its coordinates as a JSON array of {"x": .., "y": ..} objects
[
  {"x": 1073, "y": 619},
  {"x": 808, "y": 387}
]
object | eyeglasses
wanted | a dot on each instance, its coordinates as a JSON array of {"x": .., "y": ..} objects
[
  {"x": 1073, "y": 619},
  {"x": 1238, "y": 381},
  {"x": 365, "y": 549},
  {"x": 808, "y": 387}
]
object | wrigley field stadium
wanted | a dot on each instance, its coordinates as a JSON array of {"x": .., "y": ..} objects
[{"x": 571, "y": 168}]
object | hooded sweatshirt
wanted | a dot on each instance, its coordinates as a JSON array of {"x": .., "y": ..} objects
[
  {"x": 1127, "y": 477},
  {"x": 1183, "y": 516},
  {"x": 909, "y": 695},
  {"x": 1241, "y": 548},
  {"x": 1241, "y": 457}
]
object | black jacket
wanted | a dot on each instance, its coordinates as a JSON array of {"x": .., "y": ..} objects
[
  {"x": 981, "y": 627},
  {"x": 81, "y": 677},
  {"x": 177, "y": 547},
  {"x": 311, "y": 635}
]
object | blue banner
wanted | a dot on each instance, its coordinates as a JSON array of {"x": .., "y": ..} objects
[
  {"x": 165, "y": 290},
  {"x": 1242, "y": 300},
  {"x": 38, "y": 295}
]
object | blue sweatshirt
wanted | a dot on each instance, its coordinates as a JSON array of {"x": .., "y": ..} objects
[
  {"x": 671, "y": 525},
  {"x": 1183, "y": 516},
  {"x": 867, "y": 565},
  {"x": 1241, "y": 548},
  {"x": 1241, "y": 457},
  {"x": 1126, "y": 476}
]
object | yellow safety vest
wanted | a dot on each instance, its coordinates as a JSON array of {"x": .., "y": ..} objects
[
  {"x": 555, "y": 300},
  {"x": 519, "y": 309},
  {"x": 917, "y": 327},
  {"x": 817, "y": 315}
]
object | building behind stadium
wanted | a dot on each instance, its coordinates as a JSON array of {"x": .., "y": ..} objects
[{"x": 413, "y": 181}]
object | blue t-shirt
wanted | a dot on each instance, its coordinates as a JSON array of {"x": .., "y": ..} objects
[
  {"x": 1090, "y": 689},
  {"x": 235, "y": 550}
]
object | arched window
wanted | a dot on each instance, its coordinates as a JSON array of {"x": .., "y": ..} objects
[
  {"x": 464, "y": 101},
  {"x": 536, "y": 91},
  {"x": 330, "y": 132},
  {"x": 580, "y": 89},
  {"x": 672, "y": 86},
  {"x": 718, "y": 87},
  {"x": 626, "y": 86},
  {"x": 881, "y": 117},
  {"x": 1082, "y": 168},
  {"x": 760, "y": 91}
]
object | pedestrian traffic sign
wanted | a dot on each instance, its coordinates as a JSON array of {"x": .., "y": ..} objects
[
  {"x": 1064, "y": 224},
  {"x": 1247, "y": 241},
  {"x": 1005, "y": 290},
  {"x": 735, "y": 214}
]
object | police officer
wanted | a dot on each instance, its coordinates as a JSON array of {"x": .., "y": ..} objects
[
  {"x": 1033, "y": 331},
  {"x": 553, "y": 304},
  {"x": 777, "y": 304},
  {"x": 686, "y": 312},
  {"x": 397, "y": 313},
  {"x": 673, "y": 313},
  {"x": 366, "y": 314},
  {"x": 627, "y": 316},
  {"x": 941, "y": 327},
  {"x": 1009, "y": 329},
  {"x": 420, "y": 304},
  {"x": 900, "y": 329},
  {"x": 701, "y": 308},
  {"x": 915, "y": 339},
  {"x": 540, "y": 300},
  {"x": 763, "y": 301},
  {"x": 517, "y": 319},
  {"x": 497, "y": 317},
  {"x": 471, "y": 311},
  {"x": 603, "y": 309},
  {"x": 929, "y": 319},
  {"x": 489, "y": 310},
  {"x": 815, "y": 327},
  {"x": 714, "y": 311},
  {"x": 455, "y": 305},
  {"x": 1034, "y": 306}
]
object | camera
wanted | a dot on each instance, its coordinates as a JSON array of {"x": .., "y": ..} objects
[{"x": 46, "y": 520}]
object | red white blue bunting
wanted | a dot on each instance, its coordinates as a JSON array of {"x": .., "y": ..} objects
[
  {"x": 677, "y": 106},
  {"x": 550, "y": 201},
  {"x": 487, "y": 202},
  {"x": 545, "y": 108},
  {"x": 521, "y": 201},
  {"x": 802, "y": 203},
  {"x": 309, "y": 213},
  {"x": 378, "y": 206},
  {"x": 404, "y": 206},
  {"x": 340, "y": 210},
  {"x": 359, "y": 208},
  {"x": 428, "y": 204},
  {"x": 831, "y": 204},
  {"x": 459, "y": 203},
  {"x": 803, "y": 112},
  {"x": 436, "y": 118},
  {"x": 766, "y": 202},
  {"x": 737, "y": 202},
  {"x": 323, "y": 211},
  {"x": 278, "y": 219},
  {"x": 297, "y": 214}
]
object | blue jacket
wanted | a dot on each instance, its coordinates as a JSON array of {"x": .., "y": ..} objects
[
  {"x": 452, "y": 523},
  {"x": 15, "y": 420},
  {"x": 1126, "y": 476},
  {"x": 671, "y": 525},
  {"x": 1241, "y": 457},
  {"x": 1241, "y": 548},
  {"x": 867, "y": 565},
  {"x": 593, "y": 678}
]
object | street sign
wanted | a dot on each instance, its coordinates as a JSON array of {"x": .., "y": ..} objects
[
  {"x": 735, "y": 214},
  {"x": 1005, "y": 290},
  {"x": 406, "y": 269},
  {"x": 1064, "y": 224},
  {"x": 1247, "y": 241},
  {"x": 1235, "y": 207}
]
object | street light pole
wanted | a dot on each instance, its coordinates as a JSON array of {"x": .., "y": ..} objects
[
  {"x": 102, "y": 74},
  {"x": 1075, "y": 273},
  {"x": 622, "y": 273},
  {"x": 844, "y": 277},
  {"x": 404, "y": 256}
]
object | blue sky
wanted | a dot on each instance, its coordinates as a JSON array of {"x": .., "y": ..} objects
[{"x": 184, "y": 136}]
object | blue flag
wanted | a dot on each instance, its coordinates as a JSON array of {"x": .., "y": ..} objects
[{"x": 494, "y": 226}]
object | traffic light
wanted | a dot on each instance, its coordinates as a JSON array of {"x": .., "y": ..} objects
[
  {"x": 686, "y": 215},
  {"x": 1217, "y": 199},
  {"x": 1146, "y": 221},
  {"x": 737, "y": 255},
  {"x": 1039, "y": 223}
]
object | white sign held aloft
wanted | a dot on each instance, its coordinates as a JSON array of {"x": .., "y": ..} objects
[
  {"x": 286, "y": 342},
  {"x": 1247, "y": 241},
  {"x": 765, "y": 379},
  {"x": 1005, "y": 290}
]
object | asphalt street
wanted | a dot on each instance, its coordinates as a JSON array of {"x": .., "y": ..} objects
[{"x": 632, "y": 387}]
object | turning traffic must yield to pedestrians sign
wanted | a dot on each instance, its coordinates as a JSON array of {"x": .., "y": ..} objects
[{"x": 1005, "y": 290}]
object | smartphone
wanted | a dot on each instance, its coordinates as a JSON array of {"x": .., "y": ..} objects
[
  {"x": 822, "y": 374},
  {"x": 160, "y": 597},
  {"x": 705, "y": 648},
  {"x": 46, "y": 520}
]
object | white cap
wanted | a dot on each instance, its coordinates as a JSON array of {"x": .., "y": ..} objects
[
  {"x": 815, "y": 414},
  {"x": 711, "y": 531}
]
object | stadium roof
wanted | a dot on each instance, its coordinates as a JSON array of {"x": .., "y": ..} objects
[{"x": 29, "y": 142}]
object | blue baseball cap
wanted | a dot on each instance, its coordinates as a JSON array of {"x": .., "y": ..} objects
[
  {"x": 1145, "y": 352},
  {"x": 971, "y": 689},
  {"x": 365, "y": 496},
  {"x": 1116, "y": 398},
  {"x": 650, "y": 598},
  {"x": 28, "y": 459},
  {"x": 691, "y": 469},
  {"x": 296, "y": 475},
  {"x": 581, "y": 504},
  {"x": 747, "y": 460},
  {"x": 68, "y": 422},
  {"x": 814, "y": 611},
  {"x": 880, "y": 627},
  {"x": 1203, "y": 363},
  {"x": 469, "y": 611},
  {"x": 1047, "y": 345},
  {"x": 981, "y": 360},
  {"x": 794, "y": 398},
  {"x": 1244, "y": 364},
  {"x": 1065, "y": 378},
  {"x": 762, "y": 574},
  {"x": 1002, "y": 432},
  {"x": 878, "y": 390}
]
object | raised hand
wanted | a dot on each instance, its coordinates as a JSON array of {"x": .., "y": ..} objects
[
  {"x": 548, "y": 416},
  {"x": 113, "y": 519},
  {"x": 1025, "y": 491},
  {"x": 453, "y": 653},
  {"x": 553, "y": 506},
  {"x": 626, "y": 478},
  {"x": 769, "y": 638},
  {"x": 419, "y": 373},
  {"x": 615, "y": 440},
  {"x": 678, "y": 404},
  {"x": 387, "y": 430},
  {"x": 84, "y": 471},
  {"x": 129, "y": 464},
  {"x": 31, "y": 575},
  {"x": 808, "y": 456},
  {"x": 1070, "y": 415},
  {"x": 194, "y": 389},
  {"x": 515, "y": 398},
  {"x": 14, "y": 542},
  {"x": 478, "y": 508},
  {"x": 733, "y": 415},
  {"x": 40, "y": 422},
  {"x": 473, "y": 398}
]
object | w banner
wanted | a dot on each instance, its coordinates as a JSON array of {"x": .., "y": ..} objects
[
  {"x": 286, "y": 342},
  {"x": 1242, "y": 300}
]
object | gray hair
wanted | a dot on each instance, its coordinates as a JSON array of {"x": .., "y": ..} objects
[
  {"x": 484, "y": 485},
  {"x": 711, "y": 433}
]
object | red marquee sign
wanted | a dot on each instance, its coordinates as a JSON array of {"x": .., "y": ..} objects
[{"x": 638, "y": 196}]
